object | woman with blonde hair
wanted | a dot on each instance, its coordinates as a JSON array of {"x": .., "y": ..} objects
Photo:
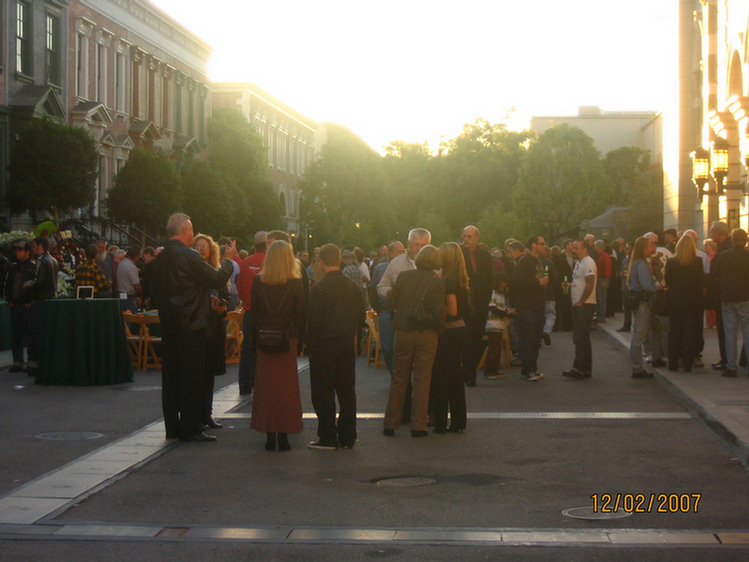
[
  {"x": 641, "y": 289},
  {"x": 278, "y": 321},
  {"x": 216, "y": 334},
  {"x": 418, "y": 302},
  {"x": 447, "y": 388},
  {"x": 685, "y": 281}
]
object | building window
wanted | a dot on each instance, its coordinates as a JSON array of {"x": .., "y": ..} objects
[
  {"x": 151, "y": 94},
  {"x": 101, "y": 73},
  {"x": 178, "y": 105},
  {"x": 23, "y": 38},
  {"x": 53, "y": 50},
  {"x": 120, "y": 82},
  {"x": 190, "y": 112},
  {"x": 81, "y": 66},
  {"x": 165, "y": 105}
]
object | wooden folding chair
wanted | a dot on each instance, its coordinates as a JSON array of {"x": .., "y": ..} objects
[
  {"x": 234, "y": 336},
  {"x": 134, "y": 340},
  {"x": 373, "y": 343},
  {"x": 151, "y": 355}
]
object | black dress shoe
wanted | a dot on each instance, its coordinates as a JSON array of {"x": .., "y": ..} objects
[
  {"x": 388, "y": 432},
  {"x": 452, "y": 429},
  {"x": 172, "y": 435},
  {"x": 198, "y": 438},
  {"x": 213, "y": 424},
  {"x": 419, "y": 433},
  {"x": 719, "y": 365},
  {"x": 642, "y": 375}
]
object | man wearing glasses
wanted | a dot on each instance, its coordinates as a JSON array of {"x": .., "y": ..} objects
[{"x": 528, "y": 296}]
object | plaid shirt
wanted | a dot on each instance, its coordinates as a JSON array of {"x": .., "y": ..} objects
[{"x": 89, "y": 273}]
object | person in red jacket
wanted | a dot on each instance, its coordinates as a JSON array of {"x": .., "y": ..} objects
[
  {"x": 603, "y": 261},
  {"x": 248, "y": 268}
]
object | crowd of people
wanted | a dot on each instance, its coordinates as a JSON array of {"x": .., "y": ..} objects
[{"x": 440, "y": 310}]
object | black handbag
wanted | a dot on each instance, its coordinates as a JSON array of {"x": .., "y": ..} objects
[{"x": 273, "y": 334}]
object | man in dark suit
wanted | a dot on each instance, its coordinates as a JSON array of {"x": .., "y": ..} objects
[
  {"x": 180, "y": 290},
  {"x": 479, "y": 267},
  {"x": 335, "y": 312}
]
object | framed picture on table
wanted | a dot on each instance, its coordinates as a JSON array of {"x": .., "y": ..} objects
[{"x": 84, "y": 292}]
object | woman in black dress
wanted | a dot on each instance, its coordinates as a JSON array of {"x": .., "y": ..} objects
[
  {"x": 685, "y": 282},
  {"x": 215, "y": 364},
  {"x": 447, "y": 390}
]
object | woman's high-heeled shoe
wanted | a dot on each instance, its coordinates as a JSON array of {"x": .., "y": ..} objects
[
  {"x": 283, "y": 442},
  {"x": 270, "y": 442}
]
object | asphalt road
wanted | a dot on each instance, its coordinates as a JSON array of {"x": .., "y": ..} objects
[{"x": 531, "y": 450}]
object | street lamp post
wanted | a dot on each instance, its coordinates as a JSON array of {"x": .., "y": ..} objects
[
  {"x": 701, "y": 170},
  {"x": 719, "y": 163}
]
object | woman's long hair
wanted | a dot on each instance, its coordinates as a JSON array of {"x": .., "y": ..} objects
[
  {"x": 686, "y": 251},
  {"x": 454, "y": 264},
  {"x": 214, "y": 257},
  {"x": 280, "y": 264},
  {"x": 638, "y": 253}
]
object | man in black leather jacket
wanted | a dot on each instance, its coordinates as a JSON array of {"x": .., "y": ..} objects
[
  {"x": 43, "y": 287},
  {"x": 19, "y": 300},
  {"x": 181, "y": 281}
]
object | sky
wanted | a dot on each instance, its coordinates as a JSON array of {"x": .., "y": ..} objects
[{"x": 417, "y": 70}]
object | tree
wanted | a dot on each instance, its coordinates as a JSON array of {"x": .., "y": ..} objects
[
  {"x": 236, "y": 154},
  {"x": 561, "y": 182},
  {"x": 53, "y": 167},
  {"x": 480, "y": 168},
  {"x": 208, "y": 199},
  {"x": 638, "y": 184},
  {"x": 343, "y": 187},
  {"x": 146, "y": 191}
]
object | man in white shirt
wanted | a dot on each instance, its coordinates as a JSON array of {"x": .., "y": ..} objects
[
  {"x": 128, "y": 280},
  {"x": 583, "y": 295},
  {"x": 417, "y": 239}
]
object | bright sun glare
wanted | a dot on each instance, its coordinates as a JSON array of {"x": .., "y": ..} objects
[{"x": 418, "y": 70}]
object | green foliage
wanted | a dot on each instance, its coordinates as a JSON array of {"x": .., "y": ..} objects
[
  {"x": 508, "y": 183},
  {"x": 146, "y": 191},
  {"x": 345, "y": 186},
  {"x": 637, "y": 184},
  {"x": 208, "y": 197},
  {"x": 561, "y": 182},
  {"x": 53, "y": 167},
  {"x": 237, "y": 155}
]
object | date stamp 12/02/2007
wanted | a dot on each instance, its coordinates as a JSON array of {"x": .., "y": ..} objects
[{"x": 646, "y": 503}]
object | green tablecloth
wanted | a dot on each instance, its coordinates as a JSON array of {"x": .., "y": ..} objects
[
  {"x": 83, "y": 343},
  {"x": 5, "y": 338}
]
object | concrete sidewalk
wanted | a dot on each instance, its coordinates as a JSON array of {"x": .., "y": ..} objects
[{"x": 721, "y": 403}]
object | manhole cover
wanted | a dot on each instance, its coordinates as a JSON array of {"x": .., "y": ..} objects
[
  {"x": 588, "y": 513},
  {"x": 405, "y": 481},
  {"x": 69, "y": 435},
  {"x": 140, "y": 388}
]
